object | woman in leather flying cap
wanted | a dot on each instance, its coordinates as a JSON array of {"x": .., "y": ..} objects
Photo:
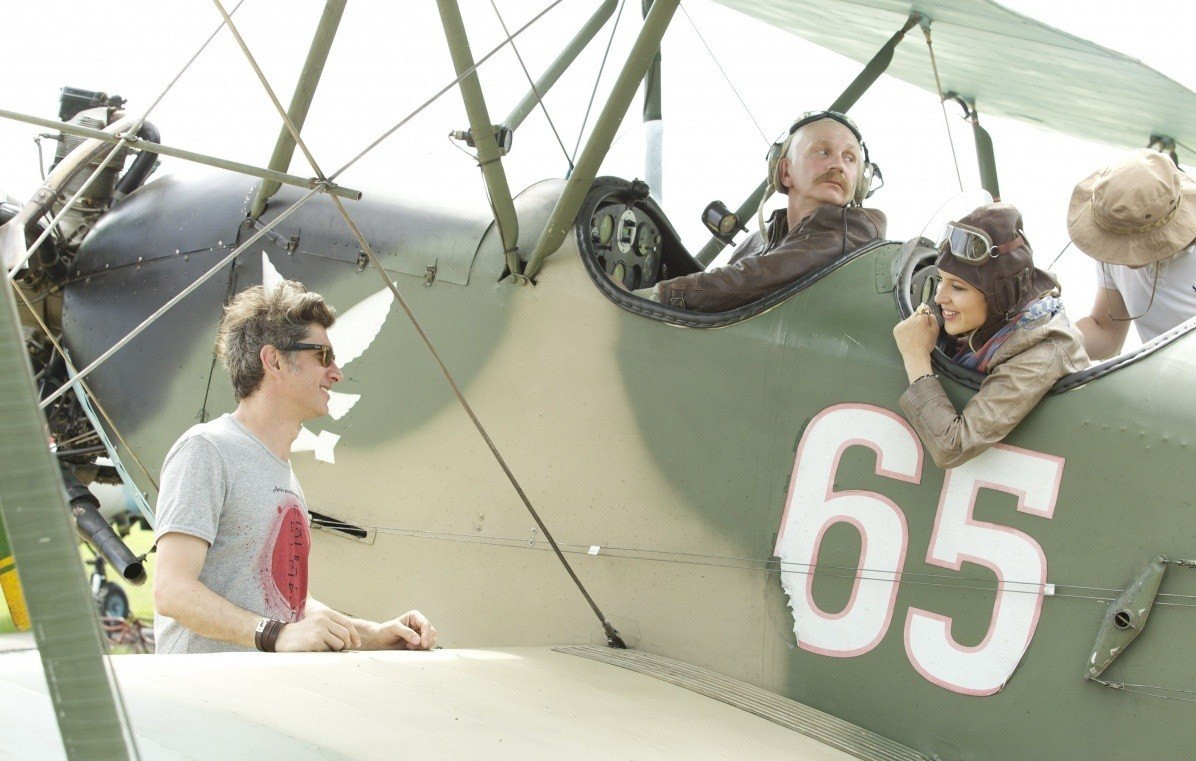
[{"x": 1007, "y": 323}]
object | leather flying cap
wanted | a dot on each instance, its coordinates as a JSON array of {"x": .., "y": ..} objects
[
  {"x": 1009, "y": 280},
  {"x": 1137, "y": 211}
]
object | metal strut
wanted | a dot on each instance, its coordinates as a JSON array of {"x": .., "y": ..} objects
[
  {"x": 489, "y": 155},
  {"x": 986, "y": 159},
  {"x": 938, "y": 85},
  {"x": 305, "y": 90},
  {"x": 612, "y": 634},
  {"x": 853, "y": 92},
  {"x": 586, "y": 169}
]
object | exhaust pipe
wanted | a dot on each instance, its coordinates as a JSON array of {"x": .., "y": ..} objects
[{"x": 89, "y": 524}]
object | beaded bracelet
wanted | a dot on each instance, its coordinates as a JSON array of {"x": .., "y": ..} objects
[{"x": 922, "y": 377}]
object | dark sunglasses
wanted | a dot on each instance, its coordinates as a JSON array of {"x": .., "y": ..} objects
[{"x": 327, "y": 356}]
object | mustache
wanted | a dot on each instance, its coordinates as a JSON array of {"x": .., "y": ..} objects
[{"x": 834, "y": 176}]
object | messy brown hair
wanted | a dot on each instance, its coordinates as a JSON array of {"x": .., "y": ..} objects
[{"x": 258, "y": 317}]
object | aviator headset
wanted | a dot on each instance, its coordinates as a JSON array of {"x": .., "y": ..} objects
[{"x": 868, "y": 170}]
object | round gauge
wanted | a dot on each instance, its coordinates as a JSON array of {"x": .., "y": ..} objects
[
  {"x": 626, "y": 234},
  {"x": 620, "y": 271},
  {"x": 606, "y": 228},
  {"x": 648, "y": 240}
]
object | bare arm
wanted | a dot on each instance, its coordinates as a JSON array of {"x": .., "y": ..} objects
[
  {"x": 410, "y": 631},
  {"x": 1103, "y": 335},
  {"x": 179, "y": 594}
]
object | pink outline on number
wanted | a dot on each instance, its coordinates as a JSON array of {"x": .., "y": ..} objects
[
  {"x": 914, "y": 479},
  {"x": 832, "y": 520},
  {"x": 1048, "y": 512},
  {"x": 855, "y": 587}
]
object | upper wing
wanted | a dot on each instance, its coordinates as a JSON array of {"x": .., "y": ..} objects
[{"x": 1011, "y": 65}]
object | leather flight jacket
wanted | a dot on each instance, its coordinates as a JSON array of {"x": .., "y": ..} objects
[{"x": 758, "y": 268}]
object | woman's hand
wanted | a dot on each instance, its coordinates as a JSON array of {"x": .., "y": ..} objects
[{"x": 915, "y": 337}]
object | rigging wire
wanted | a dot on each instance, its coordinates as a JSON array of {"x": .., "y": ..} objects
[
  {"x": 442, "y": 91},
  {"x": 86, "y": 389},
  {"x": 722, "y": 71},
  {"x": 535, "y": 91},
  {"x": 148, "y": 321},
  {"x": 1062, "y": 251},
  {"x": 612, "y": 635},
  {"x": 938, "y": 85},
  {"x": 770, "y": 565},
  {"x": 582, "y": 130},
  {"x": 311, "y": 160},
  {"x": 116, "y": 148},
  {"x": 1148, "y": 690}
]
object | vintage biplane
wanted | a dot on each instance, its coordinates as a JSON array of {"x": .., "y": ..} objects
[{"x": 670, "y": 533}]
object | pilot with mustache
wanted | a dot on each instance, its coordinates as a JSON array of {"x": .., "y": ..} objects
[{"x": 823, "y": 168}]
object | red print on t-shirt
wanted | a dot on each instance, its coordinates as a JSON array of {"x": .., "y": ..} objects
[{"x": 288, "y": 559}]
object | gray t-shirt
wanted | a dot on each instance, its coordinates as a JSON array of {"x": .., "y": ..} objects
[{"x": 221, "y": 484}]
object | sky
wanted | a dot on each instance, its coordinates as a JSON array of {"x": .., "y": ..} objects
[{"x": 389, "y": 58}]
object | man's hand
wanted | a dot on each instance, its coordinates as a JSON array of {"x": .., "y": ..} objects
[
  {"x": 320, "y": 630},
  {"x": 410, "y": 631}
]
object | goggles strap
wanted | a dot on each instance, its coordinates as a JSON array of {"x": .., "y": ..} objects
[{"x": 1005, "y": 248}]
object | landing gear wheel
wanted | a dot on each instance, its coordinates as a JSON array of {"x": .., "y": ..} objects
[{"x": 112, "y": 601}]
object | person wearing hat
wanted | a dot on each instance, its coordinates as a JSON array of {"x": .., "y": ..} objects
[
  {"x": 824, "y": 169},
  {"x": 1005, "y": 321},
  {"x": 1137, "y": 219}
]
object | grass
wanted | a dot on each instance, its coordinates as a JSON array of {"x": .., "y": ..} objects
[{"x": 141, "y": 599}]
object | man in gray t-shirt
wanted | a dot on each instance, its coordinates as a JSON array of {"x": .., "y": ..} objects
[
  {"x": 232, "y": 522},
  {"x": 257, "y": 531}
]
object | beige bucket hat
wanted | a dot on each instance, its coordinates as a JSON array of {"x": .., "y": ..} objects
[{"x": 1137, "y": 211}]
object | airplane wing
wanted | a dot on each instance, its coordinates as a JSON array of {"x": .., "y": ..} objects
[
  {"x": 517, "y": 703},
  {"x": 1011, "y": 65}
]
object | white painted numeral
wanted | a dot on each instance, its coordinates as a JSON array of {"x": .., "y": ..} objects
[
  {"x": 813, "y": 507},
  {"x": 1016, "y": 559}
]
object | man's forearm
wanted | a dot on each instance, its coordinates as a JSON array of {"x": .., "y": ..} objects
[
  {"x": 206, "y": 613},
  {"x": 366, "y": 629}
]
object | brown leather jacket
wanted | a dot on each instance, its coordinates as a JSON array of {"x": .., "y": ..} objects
[
  {"x": 1020, "y": 374},
  {"x": 757, "y": 269}
]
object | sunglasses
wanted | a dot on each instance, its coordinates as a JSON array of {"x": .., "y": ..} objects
[
  {"x": 972, "y": 245},
  {"x": 327, "y": 356}
]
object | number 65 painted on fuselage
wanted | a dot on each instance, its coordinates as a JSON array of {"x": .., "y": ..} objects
[{"x": 812, "y": 507}]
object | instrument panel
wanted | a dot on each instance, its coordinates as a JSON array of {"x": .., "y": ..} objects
[{"x": 627, "y": 244}]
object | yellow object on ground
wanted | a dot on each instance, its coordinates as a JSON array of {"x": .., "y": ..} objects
[{"x": 10, "y": 583}]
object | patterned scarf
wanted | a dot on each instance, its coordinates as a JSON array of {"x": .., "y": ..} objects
[{"x": 979, "y": 359}]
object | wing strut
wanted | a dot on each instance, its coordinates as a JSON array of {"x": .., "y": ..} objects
[
  {"x": 653, "y": 124},
  {"x": 558, "y": 67},
  {"x": 579, "y": 182},
  {"x": 34, "y": 513},
  {"x": 854, "y": 91},
  {"x": 612, "y": 635},
  {"x": 986, "y": 159},
  {"x": 483, "y": 131},
  {"x": 305, "y": 90}
]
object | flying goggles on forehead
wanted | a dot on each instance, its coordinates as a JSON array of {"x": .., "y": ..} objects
[
  {"x": 972, "y": 245},
  {"x": 327, "y": 356}
]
